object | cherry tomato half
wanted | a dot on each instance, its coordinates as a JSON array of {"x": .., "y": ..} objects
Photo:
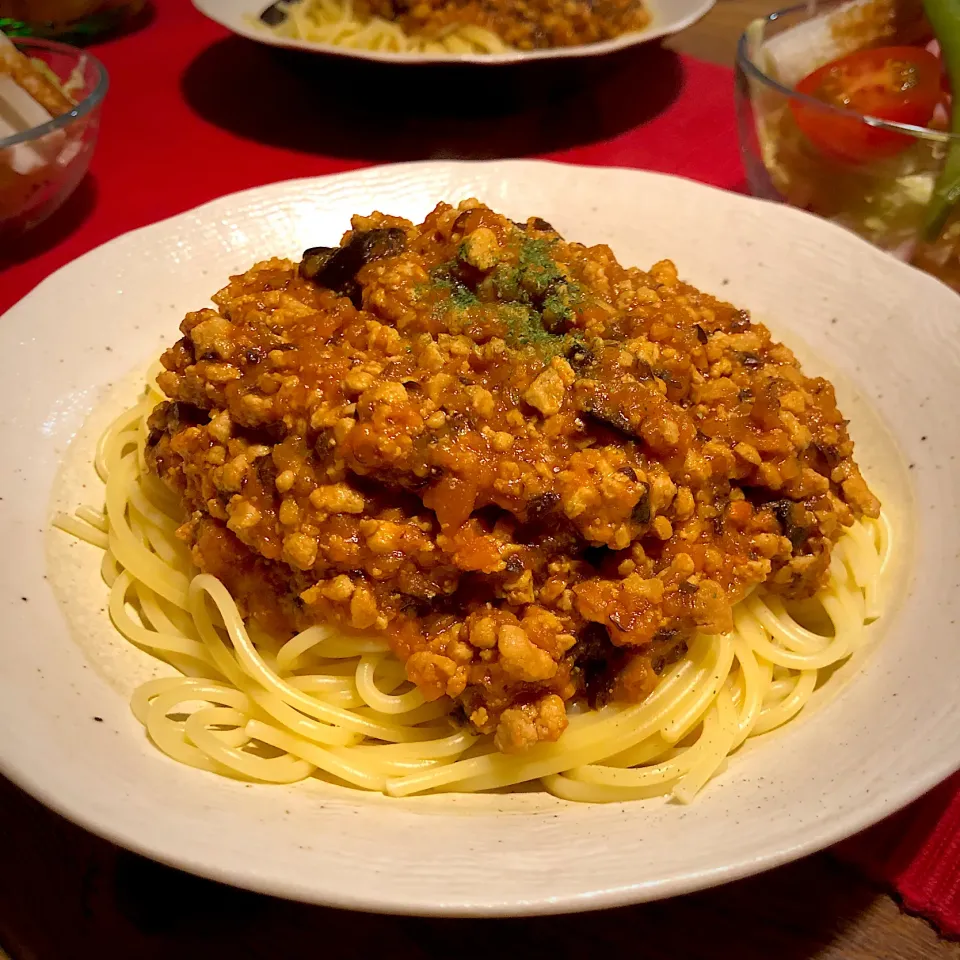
[{"x": 890, "y": 83}]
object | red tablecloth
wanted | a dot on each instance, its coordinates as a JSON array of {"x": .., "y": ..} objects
[
  {"x": 917, "y": 853},
  {"x": 194, "y": 113}
]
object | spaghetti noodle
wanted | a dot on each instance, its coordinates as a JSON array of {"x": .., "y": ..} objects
[
  {"x": 335, "y": 22},
  {"x": 339, "y": 707}
]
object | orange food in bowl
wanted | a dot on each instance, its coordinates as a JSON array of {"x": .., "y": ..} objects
[{"x": 50, "y": 97}]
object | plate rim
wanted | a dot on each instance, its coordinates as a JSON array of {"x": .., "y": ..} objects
[
  {"x": 623, "y": 42},
  {"x": 783, "y": 209},
  {"x": 834, "y": 828}
]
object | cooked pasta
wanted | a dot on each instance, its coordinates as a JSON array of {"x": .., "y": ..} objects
[
  {"x": 331, "y": 704},
  {"x": 461, "y": 505}
]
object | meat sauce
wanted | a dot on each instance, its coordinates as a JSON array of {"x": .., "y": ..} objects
[
  {"x": 535, "y": 471},
  {"x": 524, "y": 24}
]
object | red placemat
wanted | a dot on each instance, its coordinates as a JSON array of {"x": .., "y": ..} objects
[
  {"x": 917, "y": 853},
  {"x": 194, "y": 113}
]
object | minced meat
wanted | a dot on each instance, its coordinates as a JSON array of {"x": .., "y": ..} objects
[{"x": 487, "y": 443}]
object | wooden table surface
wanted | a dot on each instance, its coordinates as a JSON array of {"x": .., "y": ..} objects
[{"x": 65, "y": 894}]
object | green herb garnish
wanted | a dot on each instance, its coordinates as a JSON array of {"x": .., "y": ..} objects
[{"x": 534, "y": 300}]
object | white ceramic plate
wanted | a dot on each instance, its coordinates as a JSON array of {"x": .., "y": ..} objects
[
  {"x": 669, "y": 17},
  {"x": 883, "y": 730}
]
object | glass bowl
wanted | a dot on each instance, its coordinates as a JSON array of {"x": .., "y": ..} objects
[
  {"x": 885, "y": 199},
  {"x": 41, "y": 167}
]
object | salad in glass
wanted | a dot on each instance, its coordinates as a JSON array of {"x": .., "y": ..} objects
[{"x": 846, "y": 109}]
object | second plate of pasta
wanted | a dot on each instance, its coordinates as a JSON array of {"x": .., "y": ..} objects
[{"x": 443, "y": 31}]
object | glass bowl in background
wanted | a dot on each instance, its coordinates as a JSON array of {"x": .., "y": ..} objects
[
  {"x": 885, "y": 199},
  {"x": 41, "y": 167}
]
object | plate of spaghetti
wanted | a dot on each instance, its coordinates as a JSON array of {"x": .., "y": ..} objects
[
  {"x": 475, "y": 31},
  {"x": 371, "y": 528}
]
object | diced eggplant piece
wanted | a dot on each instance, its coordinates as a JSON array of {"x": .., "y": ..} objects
[
  {"x": 641, "y": 510},
  {"x": 609, "y": 417},
  {"x": 542, "y": 504},
  {"x": 336, "y": 268},
  {"x": 275, "y": 14},
  {"x": 784, "y": 511}
]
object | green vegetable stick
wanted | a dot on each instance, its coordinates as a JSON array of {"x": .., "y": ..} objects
[{"x": 944, "y": 17}]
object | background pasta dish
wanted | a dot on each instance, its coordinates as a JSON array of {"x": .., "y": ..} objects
[
  {"x": 455, "y": 26},
  {"x": 475, "y": 506}
]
